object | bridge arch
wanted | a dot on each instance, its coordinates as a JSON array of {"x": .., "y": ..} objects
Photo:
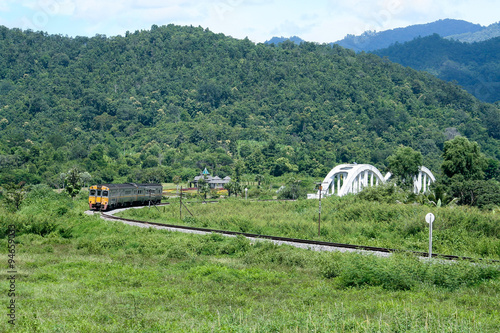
[
  {"x": 349, "y": 178},
  {"x": 352, "y": 178},
  {"x": 423, "y": 181}
]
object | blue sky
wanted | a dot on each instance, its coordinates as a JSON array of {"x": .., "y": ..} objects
[{"x": 259, "y": 20}]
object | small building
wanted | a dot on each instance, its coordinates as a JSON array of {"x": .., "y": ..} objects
[{"x": 213, "y": 182}]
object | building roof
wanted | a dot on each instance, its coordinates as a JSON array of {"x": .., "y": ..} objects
[{"x": 213, "y": 180}]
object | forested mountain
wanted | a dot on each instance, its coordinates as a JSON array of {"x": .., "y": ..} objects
[
  {"x": 371, "y": 40},
  {"x": 276, "y": 40},
  {"x": 172, "y": 100},
  {"x": 476, "y": 66},
  {"x": 491, "y": 31}
]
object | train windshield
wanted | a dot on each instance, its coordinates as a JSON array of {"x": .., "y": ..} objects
[
  {"x": 98, "y": 193},
  {"x": 104, "y": 193},
  {"x": 92, "y": 192}
]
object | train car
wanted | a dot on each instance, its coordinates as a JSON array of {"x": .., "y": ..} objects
[
  {"x": 147, "y": 193},
  {"x": 110, "y": 196}
]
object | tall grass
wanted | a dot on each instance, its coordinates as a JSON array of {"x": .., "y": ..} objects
[
  {"x": 103, "y": 276},
  {"x": 457, "y": 230}
]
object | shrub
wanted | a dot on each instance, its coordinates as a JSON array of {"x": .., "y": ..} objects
[{"x": 403, "y": 272}]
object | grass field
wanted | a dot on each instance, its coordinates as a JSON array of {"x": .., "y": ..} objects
[
  {"x": 78, "y": 273},
  {"x": 458, "y": 231}
]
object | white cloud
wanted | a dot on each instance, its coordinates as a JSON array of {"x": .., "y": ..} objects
[
  {"x": 4, "y": 7},
  {"x": 314, "y": 20},
  {"x": 289, "y": 28}
]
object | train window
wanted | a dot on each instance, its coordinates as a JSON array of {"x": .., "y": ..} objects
[
  {"x": 104, "y": 193},
  {"x": 98, "y": 193},
  {"x": 92, "y": 192}
]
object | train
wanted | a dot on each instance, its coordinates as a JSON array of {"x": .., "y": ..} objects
[{"x": 111, "y": 196}]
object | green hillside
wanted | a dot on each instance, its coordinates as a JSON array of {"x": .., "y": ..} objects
[
  {"x": 491, "y": 31},
  {"x": 474, "y": 66},
  {"x": 169, "y": 101}
]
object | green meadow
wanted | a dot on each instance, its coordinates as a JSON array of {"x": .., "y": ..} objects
[
  {"x": 458, "y": 230},
  {"x": 79, "y": 273}
]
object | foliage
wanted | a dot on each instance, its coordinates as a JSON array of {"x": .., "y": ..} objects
[
  {"x": 85, "y": 178},
  {"x": 464, "y": 158},
  {"x": 404, "y": 165},
  {"x": 293, "y": 190},
  {"x": 401, "y": 272},
  {"x": 171, "y": 100},
  {"x": 203, "y": 187},
  {"x": 489, "y": 32},
  {"x": 373, "y": 40},
  {"x": 471, "y": 65},
  {"x": 480, "y": 193},
  {"x": 13, "y": 196},
  {"x": 351, "y": 219},
  {"x": 154, "y": 280},
  {"x": 73, "y": 182},
  {"x": 233, "y": 188}
]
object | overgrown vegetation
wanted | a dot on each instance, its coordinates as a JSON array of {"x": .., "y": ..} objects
[
  {"x": 79, "y": 273},
  {"x": 386, "y": 222}
]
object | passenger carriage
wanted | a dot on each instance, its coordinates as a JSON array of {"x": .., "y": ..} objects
[{"x": 110, "y": 196}]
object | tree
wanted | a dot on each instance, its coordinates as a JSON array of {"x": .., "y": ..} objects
[
  {"x": 203, "y": 187},
  {"x": 85, "y": 178},
  {"x": 293, "y": 189},
  {"x": 73, "y": 182},
  {"x": 462, "y": 157},
  {"x": 259, "y": 178},
  {"x": 281, "y": 166},
  {"x": 404, "y": 164},
  {"x": 14, "y": 196},
  {"x": 62, "y": 177},
  {"x": 176, "y": 180},
  {"x": 480, "y": 193},
  {"x": 233, "y": 188},
  {"x": 492, "y": 170},
  {"x": 239, "y": 168}
]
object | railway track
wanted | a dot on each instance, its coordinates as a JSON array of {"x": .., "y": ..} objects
[{"x": 297, "y": 242}]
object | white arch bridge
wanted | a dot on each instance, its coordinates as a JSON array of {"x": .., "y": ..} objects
[{"x": 352, "y": 178}]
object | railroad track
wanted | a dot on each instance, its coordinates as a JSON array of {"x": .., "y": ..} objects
[{"x": 297, "y": 242}]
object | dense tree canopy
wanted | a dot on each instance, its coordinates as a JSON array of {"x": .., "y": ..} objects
[
  {"x": 464, "y": 158},
  {"x": 404, "y": 165},
  {"x": 472, "y": 65},
  {"x": 168, "y": 102}
]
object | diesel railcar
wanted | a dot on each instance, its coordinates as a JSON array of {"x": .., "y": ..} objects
[{"x": 110, "y": 196}]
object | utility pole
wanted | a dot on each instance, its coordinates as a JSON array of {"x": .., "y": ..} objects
[{"x": 180, "y": 206}]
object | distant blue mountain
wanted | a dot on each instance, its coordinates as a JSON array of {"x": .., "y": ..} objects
[
  {"x": 371, "y": 40},
  {"x": 474, "y": 66},
  {"x": 278, "y": 40},
  {"x": 491, "y": 31}
]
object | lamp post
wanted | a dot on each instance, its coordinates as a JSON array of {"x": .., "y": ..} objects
[{"x": 246, "y": 193}]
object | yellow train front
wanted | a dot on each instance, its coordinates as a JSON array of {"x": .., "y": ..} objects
[{"x": 110, "y": 196}]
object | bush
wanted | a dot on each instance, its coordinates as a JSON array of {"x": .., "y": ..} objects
[
  {"x": 270, "y": 253},
  {"x": 402, "y": 272}
]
